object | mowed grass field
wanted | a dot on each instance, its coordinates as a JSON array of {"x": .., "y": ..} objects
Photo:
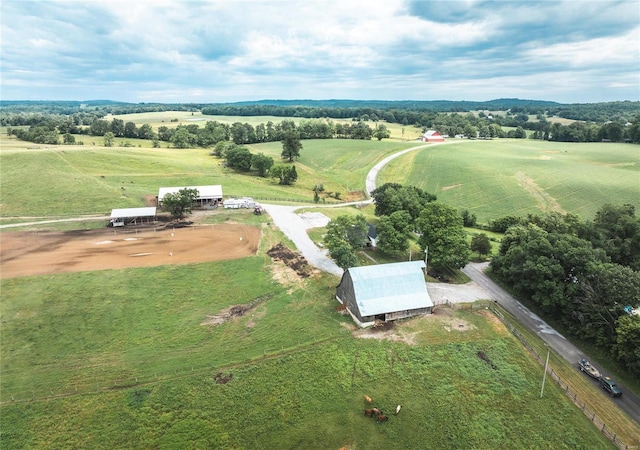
[{"x": 501, "y": 177}]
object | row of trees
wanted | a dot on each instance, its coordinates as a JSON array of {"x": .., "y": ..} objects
[
  {"x": 581, "y": 274},
  {"x": 192, "y": 135}
]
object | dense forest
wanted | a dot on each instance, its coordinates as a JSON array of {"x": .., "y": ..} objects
[{"x": 582, "y": 274}]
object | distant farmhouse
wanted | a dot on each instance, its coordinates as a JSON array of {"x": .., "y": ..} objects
[
  {"x": 208, "y": 196},
  {"x": 432, "y": 136},
  {"x": 384, "y": 292}
]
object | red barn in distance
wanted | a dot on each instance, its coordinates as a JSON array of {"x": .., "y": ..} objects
[{"x": 432, "y": 136}]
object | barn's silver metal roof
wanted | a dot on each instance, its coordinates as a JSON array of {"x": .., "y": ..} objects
[
  {"x": 385, "y": 288},
  {"x": 124, "y": 213},
  {"x": 204, "y": 192}
]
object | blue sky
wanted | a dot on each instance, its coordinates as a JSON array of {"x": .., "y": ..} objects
[{"x": 219, "y": 51}]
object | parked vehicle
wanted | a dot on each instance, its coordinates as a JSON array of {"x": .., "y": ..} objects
[
  {"x": 586, "y": 367},
  {"x": 610, "y": 386}
]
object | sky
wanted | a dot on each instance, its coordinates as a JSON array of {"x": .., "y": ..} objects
[{"x": 209, "y": 51}]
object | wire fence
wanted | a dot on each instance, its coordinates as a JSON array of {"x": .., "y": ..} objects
[{"x": 609, "y": 433}]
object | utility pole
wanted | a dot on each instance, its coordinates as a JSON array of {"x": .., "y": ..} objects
[
  {"x": 426, "y": 260},
  {"x": 544, "y": 375}
]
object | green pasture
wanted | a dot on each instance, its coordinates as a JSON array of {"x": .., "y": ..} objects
[
  {"x": 64, "y": 180},
  {"x": 501, "y": 177},
  {"x": 124, "y": 361}
]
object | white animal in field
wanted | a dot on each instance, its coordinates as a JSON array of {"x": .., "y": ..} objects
[{"x": 398, "y": 409}]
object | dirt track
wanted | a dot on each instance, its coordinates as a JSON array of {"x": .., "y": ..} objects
[{"x": 39, "y": 253}]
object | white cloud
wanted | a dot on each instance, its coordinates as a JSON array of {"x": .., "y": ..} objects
[{"x": 179, "y": 50}]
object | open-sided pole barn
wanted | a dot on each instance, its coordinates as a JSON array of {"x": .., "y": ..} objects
[
  {"x": 384, "y": 292},
  {"x": 124, "y": 216}
]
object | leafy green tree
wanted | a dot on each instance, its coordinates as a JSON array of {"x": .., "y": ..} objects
[
  {"x": 348, "y": 228},
  {"x": 291, "y": 145},
  {"x": 146, "y": 132},
  {"x": 108, "y": 139},
  {"x": 381, "y": 132},
  {"x": 392, "y": 232},
  {"x": 179, "y": 204},
  {"x": 627, "y": 343},
  {"x": 343, "y": 254},
  {"x": 68, "y": 139},
  {"x": 468, "y": 219},
  {"x": 286, "y": 175},
  {"x": 117, "y": 127},
  {"x": 470, "y": 131},
  {"x": 242, "y": 133},
  {"x": 99, "y": 127},
  {"x": 604, "y": 292},
  {"x": 238, "y": 157},
  {"x": 480, "y": 243},
  {"x": 262, "y": 163},
  {"x": 182, "y": 138},
  {"x": 130, "y": 130},
  {"x": 618, "y": 233},
  {"x": 442, "y": 232}
]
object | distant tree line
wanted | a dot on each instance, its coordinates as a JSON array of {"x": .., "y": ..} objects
[{"x": 614, "y": 121}]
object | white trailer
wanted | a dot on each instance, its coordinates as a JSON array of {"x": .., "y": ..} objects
[{"x": 236, "y": 203}]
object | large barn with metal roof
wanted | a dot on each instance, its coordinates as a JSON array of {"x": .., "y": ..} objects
[
  {"x": 384, "y": 292},
  {"x": 207, "y": 195}
]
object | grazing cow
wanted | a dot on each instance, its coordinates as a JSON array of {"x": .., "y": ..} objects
[
  {"x": 368, "y": 412},
  {"x": 376, "y": 411},
  {"x": 367, "y": 399},
  {"x": 382, "y": 418},
  {"x": 398, "y": 409}
]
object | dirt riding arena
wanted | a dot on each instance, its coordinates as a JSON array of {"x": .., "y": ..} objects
[{"x": 39, "y": 253}]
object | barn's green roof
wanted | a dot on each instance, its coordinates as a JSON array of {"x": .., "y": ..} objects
[{"x": 386, "y": 288}]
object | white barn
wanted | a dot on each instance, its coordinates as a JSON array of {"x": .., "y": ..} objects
[{"x": 207, "y": 195}]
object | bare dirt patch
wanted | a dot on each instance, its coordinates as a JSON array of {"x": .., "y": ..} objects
[
  {"x": 291, "y": 259},
  {"x": 389, "y": 331},
  {"x": 222, "y": 378},
  {"x": 235, "y": 311},
  {"x": 446, "y": 188},
  {"x": 40, "y": 253},
  {"x": 150, "y": 200}
]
